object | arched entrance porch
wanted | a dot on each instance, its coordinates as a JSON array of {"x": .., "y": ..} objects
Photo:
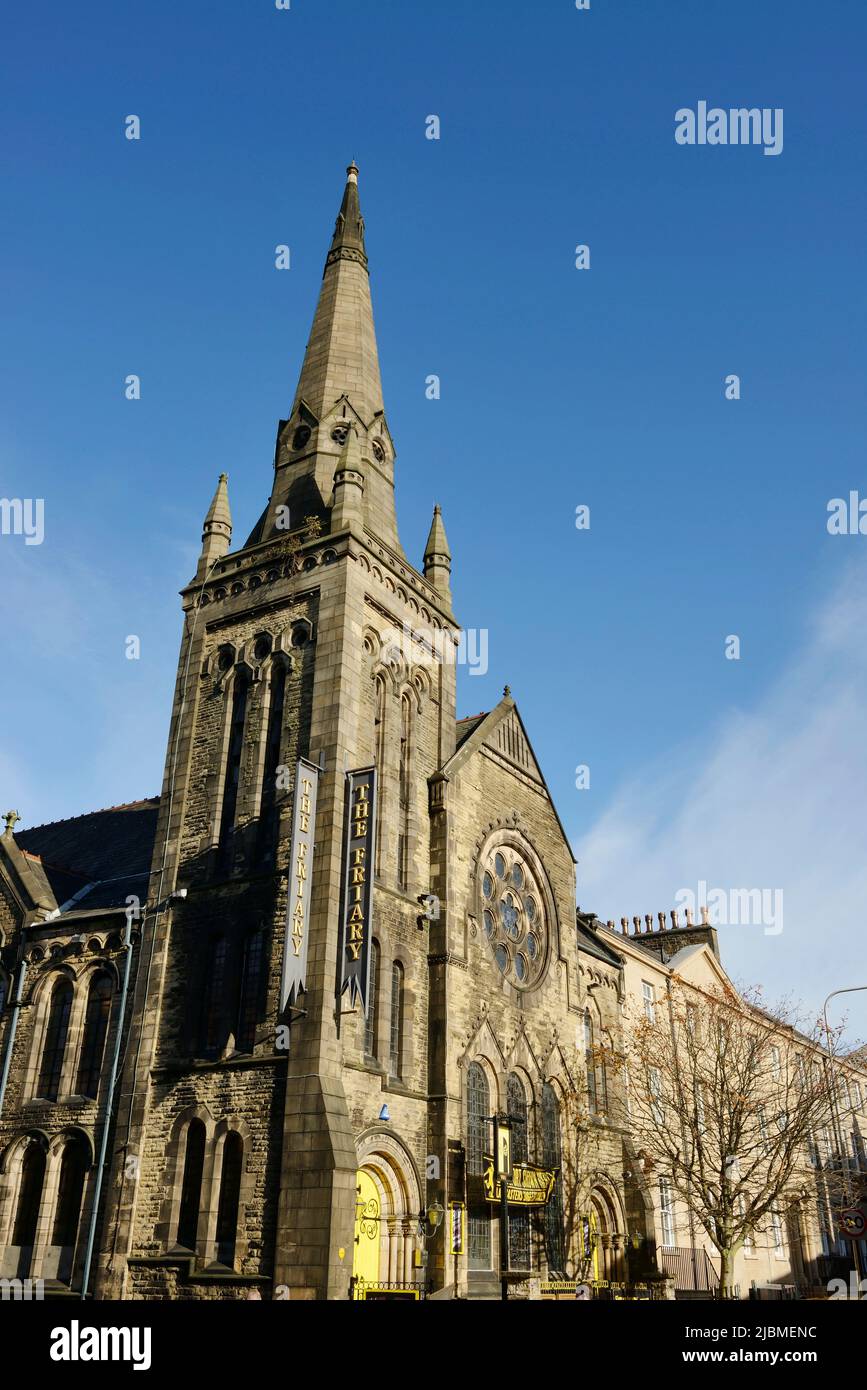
[{"x": 387, "y": 1206}]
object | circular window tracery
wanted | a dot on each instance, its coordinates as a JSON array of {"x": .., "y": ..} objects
[{"x": 513, "y": 915}]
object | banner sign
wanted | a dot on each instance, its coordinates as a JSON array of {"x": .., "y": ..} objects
[
  {"x": 357, "y": 904},
  {"x": 528, "y": 1187},
  {"x": 298, "y": 903}
]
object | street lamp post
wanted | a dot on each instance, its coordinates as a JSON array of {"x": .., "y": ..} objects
[{"x": 835, "y": 1116}]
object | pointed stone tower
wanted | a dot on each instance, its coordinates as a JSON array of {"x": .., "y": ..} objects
[{"x": 317, "y": 639}]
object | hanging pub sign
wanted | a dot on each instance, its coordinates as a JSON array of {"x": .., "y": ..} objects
[
  {"x": 357, "y": 903},
  {"x": 528, "y": 1186},
  {"x": 300, "y": 873}
]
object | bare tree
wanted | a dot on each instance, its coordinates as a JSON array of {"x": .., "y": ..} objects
[{"x": 727, "y": 1100}]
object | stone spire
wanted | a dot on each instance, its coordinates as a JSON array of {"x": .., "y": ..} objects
[
  {"x": 217, "y": 530},
  {"x": 341, "y": 356},
  {"x": 437, "y": 556},
  {"x": 339, "y": 391}
]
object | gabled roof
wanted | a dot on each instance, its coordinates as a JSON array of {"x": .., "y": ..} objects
[
  {"x": 106, "y": 853},
  {"x": 502, "y": 730}
]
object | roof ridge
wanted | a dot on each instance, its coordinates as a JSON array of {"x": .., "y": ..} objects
[{"x": 98, "y": 811}]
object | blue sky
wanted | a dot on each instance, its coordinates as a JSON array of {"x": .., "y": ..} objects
[{"x": 559, "y": 387}]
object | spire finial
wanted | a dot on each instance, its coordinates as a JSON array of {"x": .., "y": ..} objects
[
  {"x": 11, "y": 818},
  {"x": 507, "y": 692},
  {"x": 352, "y": 172}
]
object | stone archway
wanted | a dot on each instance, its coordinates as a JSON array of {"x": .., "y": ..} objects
[
  {"x": 388, "y": 1201},
  {"x": 607, "y": 1236}
]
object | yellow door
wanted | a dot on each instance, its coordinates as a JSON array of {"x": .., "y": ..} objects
[{"x": 365, "y": 1262}]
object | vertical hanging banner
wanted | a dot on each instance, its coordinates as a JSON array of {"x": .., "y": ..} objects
[
  {"x": 357, "y": 904},
  {"x": 298, "y": 902}
]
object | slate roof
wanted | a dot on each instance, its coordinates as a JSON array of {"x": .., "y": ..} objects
[
  {"x": 589, "y": 941},
  {"x": 106, "y": 852},
  {"x": 466, "y": 726}
]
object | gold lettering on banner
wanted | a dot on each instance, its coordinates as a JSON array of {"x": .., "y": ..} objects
[
  {"x": 357, "y": 884},
  {"x": 298, "y": 923}
]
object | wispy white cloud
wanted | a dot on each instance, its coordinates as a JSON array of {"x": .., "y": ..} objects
[{"x": 774, "y": 797}]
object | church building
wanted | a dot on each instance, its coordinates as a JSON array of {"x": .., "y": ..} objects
[{"x": 267, "y": 1034}]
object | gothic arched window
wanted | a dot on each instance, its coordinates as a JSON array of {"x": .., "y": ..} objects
[
  {"x": 96, "y": 1018},
  {"x": 29, "y": 1202},
  {"x": 404, "y": 789},
  {"x": 396, "y": 1033},
  {"x": 230, "y": 1195},
  {"x": 214, "y": 1016},
  {"x": 519, "y": 1221},
  {"x": 252, "y": 980},
  {"x": 371, "y": 1022},
  {"x": 551, "y": 1158},
  {"x": 378, "y": 752},
  {"x": 478, "y": 1116},
  {"x": 590, "y": 1064},
  {"x": 191, "y": 1187},
  {"x": 67, "y": 1213},
  {"x": 231, "y": 780},
  {"x": 273, "y": 740},
  {"x": 55, "y": 1040}
]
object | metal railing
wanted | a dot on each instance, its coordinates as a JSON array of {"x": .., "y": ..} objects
[{"x": 690, "y": 1267}]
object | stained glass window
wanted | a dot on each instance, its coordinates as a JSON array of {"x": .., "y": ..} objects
[
  {"x": 370, "y": 1022},
  {"x": 554, "y": 1248},
  {"x": 478, "y": 1114},
  {"x": 519, "y": 1221},
  {"x": 396, "y": 1035},
  {"x": 513, "y": 920}
]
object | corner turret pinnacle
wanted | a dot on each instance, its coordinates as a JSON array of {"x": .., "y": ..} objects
[
  {"x": 437, "y": 556},
  {"x": 217, "y": 530}
]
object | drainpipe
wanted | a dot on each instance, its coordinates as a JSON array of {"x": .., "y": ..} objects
[
  {"x": 109, "y": 1106},
  {"x": 13, "y": 1028}
]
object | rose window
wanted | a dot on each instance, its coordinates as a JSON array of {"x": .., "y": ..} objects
[{"x": 513, "y": 917}]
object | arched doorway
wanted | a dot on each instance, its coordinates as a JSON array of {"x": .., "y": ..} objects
[
  {"x": 387, "y": 1203},
  {"x": 606, "y": 1238},
  {"x": 368, "y": 1212}
]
